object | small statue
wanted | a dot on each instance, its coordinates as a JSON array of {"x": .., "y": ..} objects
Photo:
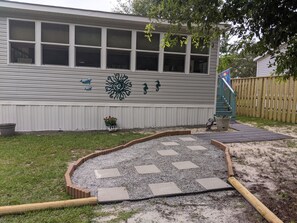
[{"x": 209, "y": 124}]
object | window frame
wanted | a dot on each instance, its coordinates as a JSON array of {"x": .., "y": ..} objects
[
  {"x": 88, "y": 46},
  {"x": 9, "y": 41},
  {"x": 120, "y": 49},
  {"x": 159, "y": 52},
  {"x": 186, "y": 61},
  {"x": 103, "y": 48},
  {"x": 208, "y": 55},
  {"x": 68, "y": 45}
]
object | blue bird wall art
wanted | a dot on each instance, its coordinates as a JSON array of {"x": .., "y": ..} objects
[
  {"x": 86, "y": 81},
  {"x": 88, "y": 88}
]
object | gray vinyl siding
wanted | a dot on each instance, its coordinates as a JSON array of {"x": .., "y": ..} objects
[{"x": 62, "y": 84}]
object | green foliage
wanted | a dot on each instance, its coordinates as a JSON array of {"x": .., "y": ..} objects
[
  {"x": 241, "y": 64},
  {"x": 269, "y": 23},
  {"x": 32, "y": 169}
]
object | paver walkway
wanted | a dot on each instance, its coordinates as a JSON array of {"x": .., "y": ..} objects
[
  {"x": 167, "y": 166},
  {"x": 161, "y": 167},
  {"x": 244, "y": 134}
]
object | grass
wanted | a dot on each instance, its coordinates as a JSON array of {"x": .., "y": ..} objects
[
  {"x": 32, "y": 169},
  {"x": 260, "y": 122}
]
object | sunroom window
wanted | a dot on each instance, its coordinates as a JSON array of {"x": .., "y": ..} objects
[
  {"x": 199, "y": 59},
  {"x": 87, "y": 46},
  {"x": 147, "y": 52},
  {"x": 118, "y": 49},
  {"x": 174, "y": 57},
  {"x": 55, "y": 44},
  {"x": 22, "y": 42}
]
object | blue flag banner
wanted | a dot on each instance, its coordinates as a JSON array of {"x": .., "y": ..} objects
[{"x": 226, "y": 75}]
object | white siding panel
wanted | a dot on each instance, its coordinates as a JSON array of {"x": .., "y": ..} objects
[
  {"x": 263, "y": 69},
  {"x": 73, "y": 117}
]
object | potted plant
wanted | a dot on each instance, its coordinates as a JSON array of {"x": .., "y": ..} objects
[
  {"x": 111, "y": 123},
  {"x": 223, "y": 122}
]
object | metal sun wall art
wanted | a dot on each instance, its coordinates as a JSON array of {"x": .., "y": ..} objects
[{"x": 118, "y": 86}]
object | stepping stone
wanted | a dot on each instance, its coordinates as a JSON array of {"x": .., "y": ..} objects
[
  {"x": 184, "y": 165},
  {"x": 167, "y": 152},
  {"x": 187, "y": 139},
  {"x": 195, "y": 148},
  {"x": 213, "y": 183},
  {"x": 170, "y": 143},
  {"x": 147, "y": 169},
  {"x": 106, "y": 173},
  {"x": 112, "y": 194},
  {"x": 164, "y": 189}
]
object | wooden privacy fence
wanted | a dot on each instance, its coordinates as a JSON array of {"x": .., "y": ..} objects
[{"x": 266, "y": 97}]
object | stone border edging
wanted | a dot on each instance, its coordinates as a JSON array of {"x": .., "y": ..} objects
[{"x": 77, "y": 192}]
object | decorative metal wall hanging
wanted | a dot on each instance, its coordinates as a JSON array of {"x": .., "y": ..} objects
[
  {"x": 158, "y": 85},
  {"x": 145, "y": 88},
  {"x": 118, "y": 86},
  {"x": 87, "y": 82},
  {"x": 88, "y": 88}
]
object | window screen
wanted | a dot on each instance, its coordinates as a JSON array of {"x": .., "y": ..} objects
[
  {"x": 54, "y": 33},
  {"x": 87, "y": 36},
  {"x": 21, "y": 30}
]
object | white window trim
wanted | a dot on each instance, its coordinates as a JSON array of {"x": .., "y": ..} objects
[
  {"x": 131, "y": 50},
  {"x": 19, "y": 41},
  {"x": 103, "y": 66},
  {"x": 85, "y": 46},
  {"x": 148, "y": 51}
]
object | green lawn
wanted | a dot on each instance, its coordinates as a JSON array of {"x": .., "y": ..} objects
[{"x": 32, "y": 169}]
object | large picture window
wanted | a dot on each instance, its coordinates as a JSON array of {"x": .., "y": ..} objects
[
  {"x": 22, "y": 42},
  {"x": 118, "y": 49},
  {"x": 174, "y": 57},
  {"x": 87, "y": 46},
  {"x": 55, "y": 44},
  {"x": 199, "y": 59},
  {"x": 147, "y": 52}
]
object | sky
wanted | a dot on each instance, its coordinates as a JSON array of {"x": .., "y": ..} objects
[{"x": 98, "y": 5}]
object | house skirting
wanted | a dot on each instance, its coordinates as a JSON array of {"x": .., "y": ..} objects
[{"x": 72, "y": 116}]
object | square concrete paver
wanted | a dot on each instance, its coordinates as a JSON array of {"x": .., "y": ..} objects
[
  {"x": 195, "y": 148},
  {"x": 170, "y": 143},
  {"x": 112, "y": 194},
  {"x": 187, "y": 139},
  {"x": 184, "y": 165},
  {"x": 164, "y": 188},
  {"x": 147, "y": 169},
  {"x": 213, "y": 183},
  {"x": 106, "y": 173},
  {"x": 167, "y": 152}
]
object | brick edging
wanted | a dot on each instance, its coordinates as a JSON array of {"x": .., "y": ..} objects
[
  {"x": 77, "y": 192},
  {"x": 228, "y": 160}
]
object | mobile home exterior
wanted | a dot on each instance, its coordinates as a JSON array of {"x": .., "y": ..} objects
[{"x": 67, "y": 69}]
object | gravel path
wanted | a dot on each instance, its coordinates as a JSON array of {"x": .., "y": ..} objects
[{"x": 210, "y": 163}]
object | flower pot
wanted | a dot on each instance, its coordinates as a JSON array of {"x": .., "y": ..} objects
[
  {"x": 7, "y": 129},
  {"x": 112, "y": 128},
  {"x": 223, "y": 123}
]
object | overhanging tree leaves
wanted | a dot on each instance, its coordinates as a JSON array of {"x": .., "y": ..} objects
[{"x": 272, "y": 23}]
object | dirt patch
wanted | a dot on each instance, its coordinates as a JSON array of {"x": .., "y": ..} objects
[{"x": 269, "y": 170}]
